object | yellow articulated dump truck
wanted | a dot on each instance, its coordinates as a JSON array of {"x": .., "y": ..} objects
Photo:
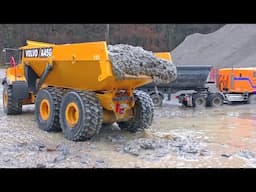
[{"x": 74, "y": 89}]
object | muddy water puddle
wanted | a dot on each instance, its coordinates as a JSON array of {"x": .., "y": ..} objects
[{"x": 228, "y": 132}]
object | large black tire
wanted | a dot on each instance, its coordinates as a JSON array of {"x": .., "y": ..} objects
[
  {"x": 47, "y": 108},
  {"x": 81, "y": 115},
  {"x": 143, "y": 113},
  {"x": 11, "y": 106},
  {"x": 214, "y": 100},
  {"x": 252, "y": 99},
  {"x": 157, "y": 100},
  {"x": 199, "y": 101}
]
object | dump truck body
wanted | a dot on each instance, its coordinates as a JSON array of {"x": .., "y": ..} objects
[
  {"x": 164, "y": 55},
  {"x": 75, "y": 64},
  {"x": 238, "y": 84},
  {"x": 74, "y": 89}
]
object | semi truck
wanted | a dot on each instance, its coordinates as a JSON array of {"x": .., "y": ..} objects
[
  {"x": 195, "y": 85},
  {"x": 238, "y": 84},
  {"x": 204, "y": 85}
]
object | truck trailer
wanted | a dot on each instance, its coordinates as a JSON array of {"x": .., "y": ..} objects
[{"x": 195, "y": 84}]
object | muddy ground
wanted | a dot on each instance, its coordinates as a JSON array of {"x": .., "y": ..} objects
[{"x": 179, "y": 137}]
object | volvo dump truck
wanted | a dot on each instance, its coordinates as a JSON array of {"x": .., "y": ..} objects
[
  {"x": 74, "y": 89},
  {"x": 238, "y": 84},
  {"x": 195, "y": 86}
]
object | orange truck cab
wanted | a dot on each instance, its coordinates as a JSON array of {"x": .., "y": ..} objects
[{"x": 238, "y": 84}]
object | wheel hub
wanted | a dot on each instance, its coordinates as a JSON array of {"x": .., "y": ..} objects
[
  {"x": 199, "y": 102},
  {"x": 5, "y": 99},
  {"x": 155, "y": 100},
  {"x": 72, "y": 114},
  {"x": 216, "y": 101},
  {"x": 45, "y": 109}
]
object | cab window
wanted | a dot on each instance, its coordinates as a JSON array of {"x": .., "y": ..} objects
[{"x": 15, "y": 53}]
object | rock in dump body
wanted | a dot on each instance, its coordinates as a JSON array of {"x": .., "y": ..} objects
[{"x": 127, "y": 59}]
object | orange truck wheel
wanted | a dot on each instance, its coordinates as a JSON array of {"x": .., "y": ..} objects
[
  {"x": 81, "y": 115},
  {"x": 47, "y": 109}
]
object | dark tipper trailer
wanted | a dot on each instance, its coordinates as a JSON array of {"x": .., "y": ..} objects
[{"x": 195, "y": 85}]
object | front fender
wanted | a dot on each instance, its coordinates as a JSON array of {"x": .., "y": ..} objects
[{"x": 154, "y": 92}]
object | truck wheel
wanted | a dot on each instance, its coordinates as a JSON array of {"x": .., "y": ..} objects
[
  {"x": 81, "y": 115},
  {"x": 199, "y": 101},
  {"x": 143, "y": 113},
  {"x": 214, "y": 100},
  {"x": 47, "y": 107},
  {"x": 11, "y": 106},
  {"x": 252, "y": 99},
  {"x": 157, "y": 100}
]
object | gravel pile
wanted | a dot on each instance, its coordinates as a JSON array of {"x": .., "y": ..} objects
[
  {"x": 127, "y": 59},
  {"x": 232, "y": 45}
]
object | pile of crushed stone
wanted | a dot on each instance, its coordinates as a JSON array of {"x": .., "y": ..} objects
[
  {"x": 232, "y": 45},
  {"x": 127, "y": 59}
]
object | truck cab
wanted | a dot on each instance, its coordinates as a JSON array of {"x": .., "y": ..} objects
[{"x": 238, "y": 84}]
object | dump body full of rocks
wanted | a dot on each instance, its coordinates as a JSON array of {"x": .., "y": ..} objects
[{"x": 127, "y": 59}]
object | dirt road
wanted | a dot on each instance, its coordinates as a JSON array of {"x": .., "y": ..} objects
[{"x": 179, "y": 137}]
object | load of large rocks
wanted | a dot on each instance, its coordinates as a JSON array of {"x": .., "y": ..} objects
[{"x": 127, "y": 59}]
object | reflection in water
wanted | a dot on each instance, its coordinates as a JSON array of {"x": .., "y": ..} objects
[
  {"x": 227, "y": 130},
  {"x": 243, "y": 129}
]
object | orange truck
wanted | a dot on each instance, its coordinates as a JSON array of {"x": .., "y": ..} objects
[{"x": 238, "y": 84}]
